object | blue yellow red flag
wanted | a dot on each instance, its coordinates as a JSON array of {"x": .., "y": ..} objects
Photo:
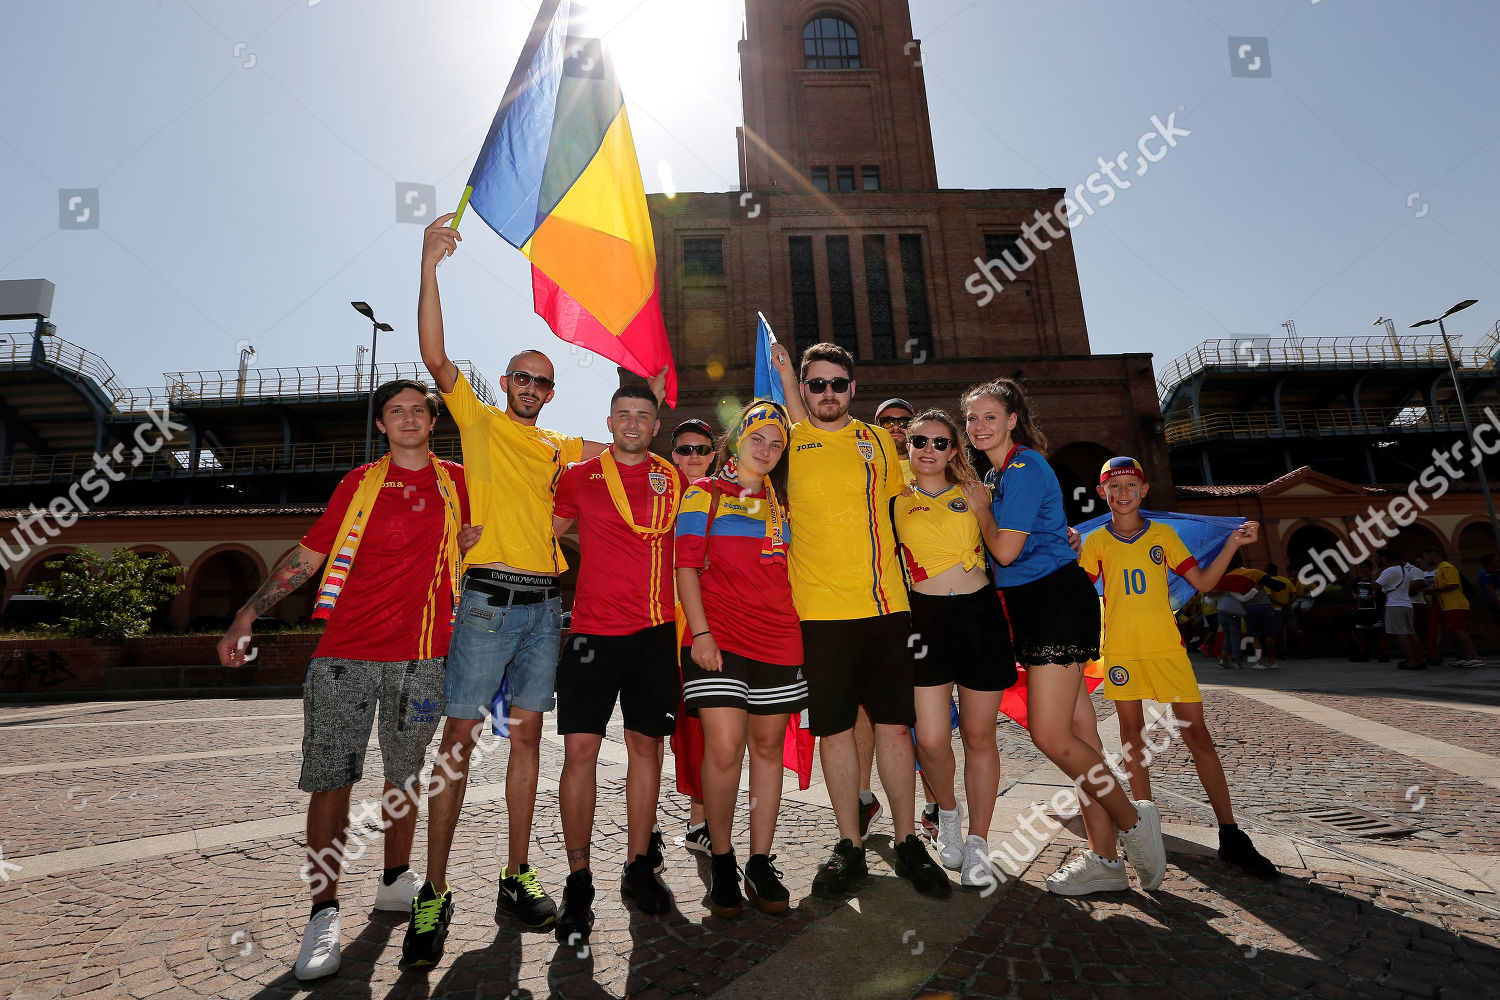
[{"x": 558, "y": 179}]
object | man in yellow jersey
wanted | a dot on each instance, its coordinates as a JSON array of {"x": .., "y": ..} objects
[
  {"x": 509, "y": 614},
  {"x": 1143, "y": 650},
  {"x": 1453, "y": 605},
  {"x": 851, "y": 597}
]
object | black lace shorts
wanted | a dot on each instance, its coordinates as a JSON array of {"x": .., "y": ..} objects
[{"x": 1055, "y": 619}]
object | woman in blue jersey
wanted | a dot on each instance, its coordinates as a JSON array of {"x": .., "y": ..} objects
[
  {"x": 1054, "y": 619},
  {"x": 954, "y": 609}
]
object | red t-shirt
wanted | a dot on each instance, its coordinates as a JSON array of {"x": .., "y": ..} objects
[
  {"x": 625, "y": 580},
  {"x": 748, "y": 602},
  {"x": 378, "y": 615}
]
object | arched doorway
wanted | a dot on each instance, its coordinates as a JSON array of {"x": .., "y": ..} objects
[
  {"x": 1307, "y": 540},
  {"x": 219, "y": 584},
  {"x": 1414, "y": 538},
  {"x": 1475, "y": 541}
]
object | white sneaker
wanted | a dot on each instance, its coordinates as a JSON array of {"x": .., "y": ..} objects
[
  {"x": 1086, "y": 874},
  {"x": 319, "y": 956},
  {"x": 1143, "y": 846},
  {"x": 976, "y": 870},
  {"x": 950, "y": 839},
  {"x": 1257, "y": 666},
  {"x": 397, "y": 896}
]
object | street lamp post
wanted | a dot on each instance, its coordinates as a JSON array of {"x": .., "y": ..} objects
[
  {"x": 377, "y": 327},
  {"x": 1463, "y": 409}
]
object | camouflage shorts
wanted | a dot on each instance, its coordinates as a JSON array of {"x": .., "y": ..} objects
[{"x": 339, "y": 698}]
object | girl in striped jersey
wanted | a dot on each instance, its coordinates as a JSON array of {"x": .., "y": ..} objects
[
  {"x": 742, "y": 654},
  {"x": 955, "y": 610}
]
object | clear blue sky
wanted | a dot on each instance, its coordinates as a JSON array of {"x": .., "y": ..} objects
[{"x": 252, "y": 204}]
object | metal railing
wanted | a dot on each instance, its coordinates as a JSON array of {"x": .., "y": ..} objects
[
  {"x": 314, "y": 380},
  {"x": 1249, "y": 353},
  {"x": 244, "y": 460},
  {"x": 15, "y": 351},
  {"x": 1309, "y": 423}
]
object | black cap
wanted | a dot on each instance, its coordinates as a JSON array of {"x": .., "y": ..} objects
[
  {"x": 694, "y": 425},
  {"x": 894, "y": 401}
]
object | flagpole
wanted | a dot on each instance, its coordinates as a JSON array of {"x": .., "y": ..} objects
[{"x": 463, "y": 203}]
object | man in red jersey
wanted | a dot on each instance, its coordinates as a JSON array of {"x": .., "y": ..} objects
[
  {"x": 392, "y": 529},
  {"x": 623, "y": 644}
]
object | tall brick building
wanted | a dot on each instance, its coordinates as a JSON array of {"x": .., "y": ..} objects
[{"x": 841, "y": 233}]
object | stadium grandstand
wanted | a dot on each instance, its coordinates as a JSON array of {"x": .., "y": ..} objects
[{"x": 236, "y": 465}]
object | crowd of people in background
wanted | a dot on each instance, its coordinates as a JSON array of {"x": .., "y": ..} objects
[{"x": 1417, "y": 609}]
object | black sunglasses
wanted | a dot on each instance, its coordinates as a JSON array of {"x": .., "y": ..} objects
[
  {"x": 889, "y": 422},
  {"x": 817, "y": 385},
  {"x": 522, "y": 379},
  {"x": 694, "y": 449},
  {"x": 920, "y": 441}
]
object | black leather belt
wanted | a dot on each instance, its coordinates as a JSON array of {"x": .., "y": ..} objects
[{"x": 501, "y": 594}]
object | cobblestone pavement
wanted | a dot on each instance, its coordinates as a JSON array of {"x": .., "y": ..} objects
[{"x": 211, "y": 906}]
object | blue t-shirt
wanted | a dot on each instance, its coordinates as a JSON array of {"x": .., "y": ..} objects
[
  {"x": 1487, "y": 576},
  {"x": 1027, "y": 498}
]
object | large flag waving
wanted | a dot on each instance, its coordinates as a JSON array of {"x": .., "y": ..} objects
[
  {"x": 558, "y": 179},
  {"x": 1204, "y": 537},
  {"x": 767, "y": 378}
]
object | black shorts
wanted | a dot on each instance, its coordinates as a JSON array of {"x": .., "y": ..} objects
[
  {"x": 964, "y": 640},
  {"x": 860, "y": 661},
  {"x": 1055, "y": 619},
  {"x": 750, "y": 685},
  {"x": 640, "y": 669}
]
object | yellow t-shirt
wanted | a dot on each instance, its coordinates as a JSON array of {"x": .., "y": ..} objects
[
  {"x": 1282, "y": 598},
  {"x": 937, "y": 532},
  {"x": 1450, "y": 600},
  {"x": 843, "y": 555},
  {"x": 1138, "y": 619},
  {"x": 512, "y": 471}
]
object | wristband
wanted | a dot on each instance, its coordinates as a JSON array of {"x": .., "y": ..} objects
[{"x": 706, "y": 631}]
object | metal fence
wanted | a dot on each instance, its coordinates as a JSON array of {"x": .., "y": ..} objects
[
  {"x": 1313, "y": 423},
  {"x": 1248, "y": 353},
  {"x": 245, "y": 460},
  {"x": 313, "y": 380}
]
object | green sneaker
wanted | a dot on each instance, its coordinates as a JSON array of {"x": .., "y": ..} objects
[
  {"x": 522, "y": 897},
  {"x": 430, "y": 915}
]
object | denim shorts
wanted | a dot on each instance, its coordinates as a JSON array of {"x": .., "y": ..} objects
[{"x": 516, "y": 644}]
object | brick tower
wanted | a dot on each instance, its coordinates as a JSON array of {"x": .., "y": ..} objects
[{"x": 841, "y": 233}]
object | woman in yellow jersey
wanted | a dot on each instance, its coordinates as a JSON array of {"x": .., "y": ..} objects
[
  {"x": 1054, "y": 618},
  {"x": 954, "y": 609}
]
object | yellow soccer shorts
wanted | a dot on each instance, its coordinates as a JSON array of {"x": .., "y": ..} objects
[{"x": 1166, "y": 679}]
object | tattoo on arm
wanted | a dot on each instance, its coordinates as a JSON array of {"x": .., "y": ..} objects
[{"x": 289, "y": 574}]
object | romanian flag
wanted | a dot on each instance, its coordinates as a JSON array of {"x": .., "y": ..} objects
[{"x": 558, "y": 179}]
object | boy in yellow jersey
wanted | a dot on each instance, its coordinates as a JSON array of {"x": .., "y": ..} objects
[{"x": 1143, "y": 650}]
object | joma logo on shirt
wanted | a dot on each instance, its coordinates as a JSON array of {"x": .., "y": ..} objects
[
  {"x": 810, "y": 444},
  {"x": 390, "y": 484}
]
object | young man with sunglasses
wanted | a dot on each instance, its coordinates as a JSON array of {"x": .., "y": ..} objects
[
  {"x": 851, "y": 597},
  {"x": 509, "y": 615}
]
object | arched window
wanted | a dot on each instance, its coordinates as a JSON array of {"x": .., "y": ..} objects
[{"x": 830, "y": 43}]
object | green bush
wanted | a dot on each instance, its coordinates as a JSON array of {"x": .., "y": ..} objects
[{"x": 110, "y": 597}]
